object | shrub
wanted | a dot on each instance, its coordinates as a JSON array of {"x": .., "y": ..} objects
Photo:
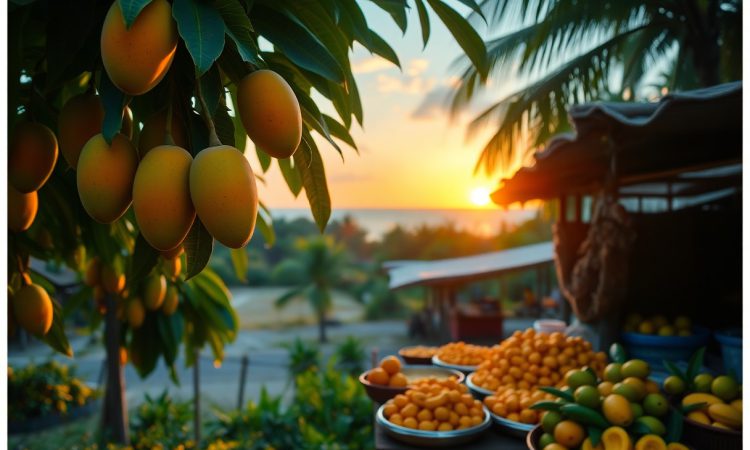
[
  {"x": 162, "y": 423},
  {"x": 350, "y": 356}
]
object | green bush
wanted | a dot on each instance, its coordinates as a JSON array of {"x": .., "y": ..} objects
[
  {"x": 303, "y": 357},
  {"x": 162, "y": 423},
  {"x": 350, "y": 356},
  {"x": 289, "y": 272}
]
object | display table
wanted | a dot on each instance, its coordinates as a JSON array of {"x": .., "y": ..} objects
[{"x": 491, "y": 439}]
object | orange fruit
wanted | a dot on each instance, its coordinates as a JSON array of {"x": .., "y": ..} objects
[
  {"x": 378, "y": 376},
  {"x": 398, "y": 380},
  {"x": 391, "y": 364},
  {"x": 569, "y": 434}
]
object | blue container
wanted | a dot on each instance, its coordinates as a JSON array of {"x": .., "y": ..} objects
[
  {"x": 655, "y": 349},
  {"x": 731, "y": 351}
]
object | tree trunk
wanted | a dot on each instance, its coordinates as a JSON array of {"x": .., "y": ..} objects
[
  {"x": 322, "y": 328},
  {"x": 115, "y": 414}
]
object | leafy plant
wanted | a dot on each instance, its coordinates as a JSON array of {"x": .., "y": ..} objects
[
  {"x": 303, "y": 357},
  {"x": 162, "y": 422},
  {"x": 350, "y": 356}
]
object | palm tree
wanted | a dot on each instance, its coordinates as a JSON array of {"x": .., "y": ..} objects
[
  {"x": 571, "y": 51},
  {"x": 323, "y": 266}
]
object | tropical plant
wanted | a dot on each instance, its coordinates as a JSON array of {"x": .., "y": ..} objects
[
  {"x": 303, "y": 357},
  {"x": 161, "y": 422},
  {"x": 350, "y": 356},
  {"x": 567, "y": 52},
  {"x": 324, "y": 268}
]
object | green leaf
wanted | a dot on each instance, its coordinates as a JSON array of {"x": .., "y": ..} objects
[
  {"x": 211, "y": 88},
  {"x": 291, "y": 175},
  {"x": 397, "y": 10},
  {"x": 298, "y": 43},
  {"x": 617, "y": 353},
  {"x": 474, "y": 7},
  {"x": 198, "y": 247},
  {"x": 240, "y": 262},
  {"x": 264, "y": 158},
  {"x": 147, "y": 345},
  {"x": 170, "y": 329},
  {"x": 239, "y": 29},
  {"x": 338, "y": 130},
  {"x": 379, "y": 46},
  {"x": 265, "y": 225},
  {"x": 558, "y": 393},
  {"x": 55, "y": 337},
  {"x": 231, "y": 62},
  {"x": 595, "y": 434},
  {"x": 310, "y": 165},
  {"x": 202, "y": 29},
  {"x": 547, "y": 406},
  {"x": 687, "y": 409},
  {"x": 674, "y": 426},
  {"x": 224, "y": 126},
  {"x": 674, "y": 370},
  {"x": 695, "y": 364},
  {"x": 464, "y": 33},
  {"x": 131, "y": 9},
  {"x": 144, "y": 260},
  {"x": 114, "y": 102},
  {"x": 424, "y": 21}
]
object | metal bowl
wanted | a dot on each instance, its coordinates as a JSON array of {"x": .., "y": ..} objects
[
  {"x": 432, "y": 438},
  {"x": 381, "y": 394},
  {"x": 512, "y": 428},
  {"x": 532, "y": 438},
  {"x": 465, "y": 369},
  {"x": 478, "y": 391}
]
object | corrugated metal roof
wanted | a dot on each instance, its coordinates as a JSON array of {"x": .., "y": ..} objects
[{"x": 468, "y": 268}]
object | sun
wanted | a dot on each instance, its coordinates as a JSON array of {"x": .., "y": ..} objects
[{"x": 480, "y": 196}]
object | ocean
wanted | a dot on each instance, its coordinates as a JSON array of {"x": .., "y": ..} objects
[{"x": 377, "y": 222}]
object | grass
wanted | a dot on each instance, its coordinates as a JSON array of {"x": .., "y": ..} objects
[{"x": 72, "y": 436}]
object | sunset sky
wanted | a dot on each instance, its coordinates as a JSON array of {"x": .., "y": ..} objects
[{"x": 411, "y": 156}]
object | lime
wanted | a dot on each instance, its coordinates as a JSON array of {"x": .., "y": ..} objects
[
  {"x": 666, "y": 330},
  {"x": 653, "y": 424},
  {"x": 703, "y": 382},
  {"x": 683, "y": 323},
  {"x": 725, "y": 388},
  {"x": 626, "y": 391},
  {"x": 545, "y": 440},
  {"x": 635, "y": 368},
  {"x": 638, "y": 385},
  {"x": 647, "y": 327},
  {"x": 637, "y": 410},
  {"x": 550, "y": 420},
  {"x": 613, "y": 372},
  {"x": 588, "y": 396},
  {"x": 578, "y": 378},
  {"x": 655, "y": 405},
  {"x": 674, "y": 385}
]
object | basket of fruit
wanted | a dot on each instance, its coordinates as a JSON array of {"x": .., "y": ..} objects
[
  {"x": 391, "y": 378},
  {"x": 434, "y": 413},
  {"x": 460, "y": 356},
  {"x": 418, "y": 354}
]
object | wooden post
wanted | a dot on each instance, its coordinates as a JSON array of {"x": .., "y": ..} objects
[
  {"x": 197, "y": 398},
  {"x": 115, "y": 415},
  {"x": 243, "y": 375},
  {"x": 374, "y": 358}
]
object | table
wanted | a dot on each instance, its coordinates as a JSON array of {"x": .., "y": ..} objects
[{"x": 492, "y": 439}]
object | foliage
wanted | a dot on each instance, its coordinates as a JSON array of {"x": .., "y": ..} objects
[
  {"x": 49, "y": 388},
  {"x": 160, "y": 422},
  {"x": 350, "y": 356},
  {"x": 303, "y": 357},
  {"x": 567, "y": 54}
]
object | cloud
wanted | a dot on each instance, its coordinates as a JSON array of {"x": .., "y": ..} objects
[
  {"x": 405, "y": 85},
  {"x": 417, "y": 67},
  {"x": 371, "y": 64}
]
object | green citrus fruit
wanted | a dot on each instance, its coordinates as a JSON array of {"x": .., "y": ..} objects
[
  {"x": 638, "y": 385},
  {"x": 683, "y": 323},
  {"x": 578, "y": 378},
  {"x": 613, "y": 372},
  {"x": 647, "y": 327},
  {"x": 703, "y": 382},
  {"x": 637, "y": 410},
  {"x": 635, "y": 368},
  {"x": 545, "y": 440},
  {"x": 655, "y": 405},
  {"x": 674, "y": 385},
  {"x": 666, "y": 330},
  {"x": 627, "y": 391},
  {"x": 550, "y": 420},
  {"x": 588, "y": 396},
  {"x": 725, "y": 387}
]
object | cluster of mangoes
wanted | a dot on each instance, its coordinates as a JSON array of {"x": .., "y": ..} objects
[
  {"x": 463, "y": 354},
  {"x": 658, "y": 324},
  {"x": 718, "y": 400}
]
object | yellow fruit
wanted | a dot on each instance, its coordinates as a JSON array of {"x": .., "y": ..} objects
[
  {"x": 33, "y": 310},
  {"x": 737, "y": 404},
  {"x": 676, "y": 446},
  {"x": 703, "y": 382},
  {"x": 136, "y": 59},
  {"x": 616, "y": 438},
  {"x": 568, "y": 433},
  {"x": 605, "y": 388},
  {"x": 637, "y": 368},
  {"x": 173, "y": 253},
  {"x": 650, "y": 442},
  {"x": 617, "y": 410},
  {"x": 222, "y": 186},
  {"x": 136, "y": 313},
  {"x": 154, "y": 291},
  {"x": 378, "y": 376},
  {"x": 171, "y": 301},
  {"x": 270, "y": 113},
  {"x": 32, "y": 155},
  {"x": 587, "y": 445},
  {"x": 638, "y": 386},
  {"x": 154, "y": 131},
  {"x": 725, "y": 414},
  {"x": 123, "y": 356},
  {"x": 700, "y": 397},
  {"x": 700, "y": 417},
  {"x": 79, "y": 120},
  {"x": 721, "y": 425},
  {"x": 22, "y": 209},
  {"x": 112, "y": 281},
  {"x": 398, "y": 380},
  {"x": 93, "y": 272},
  {"x": 161, "y": 197},
  {"x": 105, "y": 177},
  {"x": 725, "y": 387},
  {"x": 172, "y": 267},
  {"x": 652, "y": 387},
  {"x": 390, "y": 364},
  {"x": 666, "y": 330},
  {"x": 554, "y": 446}
]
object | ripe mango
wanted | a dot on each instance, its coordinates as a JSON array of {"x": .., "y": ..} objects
[
  {"x": 171, "y": 301},
  {"x": 33, "y": 310},
  {"x": 31, "y": 156},
  {"x": 617, "y": 410},
  {"x": 136, "y": 59},
  {"x": 173, "y": 253},
  {"x": 161, "y": 196},
  {"x": 79, "y": 120},
  {"x": 700, "y": 417},
  {"x": 700, "y": 397},
  {"x": 616, "y": 438},
  {"x": 105, "y": 177},
  {"x": 92, "y": 277},
  {"x": 270, "y": 113},
  {"x": 154, "y": 291},
  {"x": 650, "y": 442},
  {"x": 172, "y": 267},
  {"x": 22, "y": 209},
  {"x": 222, "y": 186},
  {"x": 725, "y": 414},
  {"x": 154, "y": 131},
  {"x": 112, "y": 281},
  {"x": 136, "y": 313}
]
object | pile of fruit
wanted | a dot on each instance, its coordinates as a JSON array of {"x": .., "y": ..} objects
[
  {"x": 388, "y": 373},
  {"x": 419, "y": 351},
  {"x": 515, "y": 404},
  {"x": 658, "y": 325},
  {"x": 463, "y": 354},
  {"x": 435, "y": 405},
  {"x": 623, "y": 410},
  {"x": 528, "y": 360}
]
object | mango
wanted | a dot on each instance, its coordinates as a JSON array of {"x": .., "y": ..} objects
[
  {"x": 79, "y": 120},
  {"x": 112, "y": 280},
  {"x": 172, "y": 267},
  {"x": 222, "y": 186},
  {"x": 270, "y": 113},
  {"x": 725, "y": 414},
  {"x": 173, "y": 253},
  {"x": 171, "y": 301},
  {"x": 154, "y": 131},
  {"x": 676, "y": 446},
  {"x": 105, "y": 177},
  {"x": 22, "y": 209},
  {"x": 737, "y": 404},
  {"x": 700, "y": 417},
  {"x": 617, "y": 410},
  {"x": 32, "y": 155},
  {"x": 616, "y": 438},
  {"x": 161, "y": 197},
  {"x": 136, "y": 313},
  {"x": 650, "y": 442},
  {"x": 92, "y": 277},
  {"x": 33, "y": 310},
  {"x": 154, "y": 291},
  {"x": 587, "y": 445},
  {"x": 136, "y": 59},
  {"x": 700, "y": 397}
]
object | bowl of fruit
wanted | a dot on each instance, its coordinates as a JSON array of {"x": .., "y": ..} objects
[
  {"x": 419, "y": 354},
  {"x": 391, "y": 378},
  {"x": 460, "y": 356},
  {"x": 478, "y": 391},
  {"x": 434, "y": 413}
]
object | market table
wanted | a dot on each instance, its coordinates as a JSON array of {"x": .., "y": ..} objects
[{"x": 491, "y": 439}]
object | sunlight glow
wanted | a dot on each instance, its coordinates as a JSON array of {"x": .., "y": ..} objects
[{"x": 480, "y": 196}]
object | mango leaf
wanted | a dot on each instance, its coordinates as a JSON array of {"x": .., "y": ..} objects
[
  {"x": 171, "y": 329},
  {"x": 464, "y": 33},
  {"x": 202, "y": 29},
  {"x": 674, "y": 426},
  {"x": 240, "y": 262},
  {"x": 239, "y": 29},
  {"x": 231, "y": 62},
  {"x": 291, "y": 175},
  {"x": 131, "y": 9},
  {"x": 310, "y": 166},
  {"x": 354, "y": 99},
  {"x": 114, "y": 102},
  {"x": 224, "y": 126},
  {"x": 211, "y": 88},
  {"x": 144, "y": 260},
  {"x": 298, "y": 43},
  {"x": 674, "y": 370},
  {"x": 264, "y": 158},
  {"x": 199, "y": 245},
  {"x": 265, "y": 225},
  {"x": 240, "y": 135},
  {"x": 55, "y": 337},
  {"x": 695, "y": 364},
  {"x": 547, "y": 406},
  {"x": 640, "y": 428},
  {"x": 595, "y": 434},
  {"x": 145, "y": 346},
  {"x": 424, "y": 21},
  {"x": 558, "y": 393},
  {"x": 474, "y": 7},
  {"x": 338, "y": 130},
  {"x": 379, "y": 46},
  {"x": 397, "y": 10}
]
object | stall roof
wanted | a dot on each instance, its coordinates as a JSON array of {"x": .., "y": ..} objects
[
  {"x": 683, "y": 132},
  {"x": 468, "y": 268}
]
